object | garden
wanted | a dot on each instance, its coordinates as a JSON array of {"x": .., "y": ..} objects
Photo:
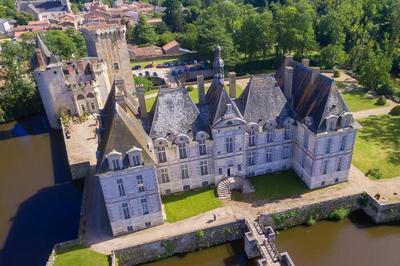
[
  {"x": 187, "y": 204},
  {"x": 80, "y": 256},
  {"x": 377, "y": 147}
]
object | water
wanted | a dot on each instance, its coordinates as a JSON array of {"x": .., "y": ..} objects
[
  {"x": 39, "y": 205},
  {"x": 352, "y": 242},
  {"x": 227, "y": 254}
]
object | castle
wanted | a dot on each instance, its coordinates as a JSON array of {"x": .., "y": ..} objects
[{"x": 295, "y": 119}]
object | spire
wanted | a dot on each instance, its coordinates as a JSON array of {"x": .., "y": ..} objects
[
  {"x": 218, "y": 64},
  {"x": 45, "y": 56}
]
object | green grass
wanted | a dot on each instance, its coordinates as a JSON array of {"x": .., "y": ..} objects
[
  {"x": 80, "y": 256},
  {"x": 358, "y": 100},
  {"x": 193, "y": 94},
  {"x": 155, "y": 62},
  {"x": 378, "y": 145},
  {"x": 187, "y": 204},
  {"x": 278, "y": 185}
]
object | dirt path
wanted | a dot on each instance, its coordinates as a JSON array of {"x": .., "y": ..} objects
[{"x": 376, "y": 111}]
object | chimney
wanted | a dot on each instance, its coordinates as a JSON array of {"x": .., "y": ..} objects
[
  {"x": 288, "y": 60},
  {"x": 288, "y": 83},
  {"x": 120, "y": 96},
  {"x": 200, "y": 89},
  {"x": 315, "y": 73},
  {"x": 39, "y": 57},
  {"x": 305, "y": 62},
  {"x": 142, "y": 101},
  {"x": 232, "y": 84}
]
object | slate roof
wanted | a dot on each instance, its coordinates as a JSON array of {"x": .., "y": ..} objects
[
  {"x": 263, "y": 100},
  {"x": 175, "y": 113},
  {"x": 121, "y": 132},
  {"x": 50, "y": 6},
  {"x": 316, "y": 99},
  {"x": 49, "y": 57}
]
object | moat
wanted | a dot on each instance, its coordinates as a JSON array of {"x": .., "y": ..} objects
[{"x": 39, "y": 206}]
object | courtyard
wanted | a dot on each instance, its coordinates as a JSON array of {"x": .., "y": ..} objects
[
  {"x": 378, "y": 146},
  {"x": 187, "y": 204}
]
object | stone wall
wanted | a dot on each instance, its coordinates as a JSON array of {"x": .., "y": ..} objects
[
  {"x": 380, "y": 213},
  {"x": 181, "y": 244},
  {"x": 318, "y": 211}
]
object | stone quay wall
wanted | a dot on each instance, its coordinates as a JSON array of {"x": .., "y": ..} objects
[
  {"x": 380, "y": 213},
  {"x": 300, "y": 215},
  {"x": 181, "y": 244}
]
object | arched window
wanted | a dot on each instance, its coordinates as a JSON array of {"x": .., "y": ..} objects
[
  {"x": 80, "y": 97},
  {"x": 90, "y": 95},
  {"x": 252, "y": 137}
]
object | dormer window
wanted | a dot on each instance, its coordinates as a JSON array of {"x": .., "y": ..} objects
[
  {"x": 346, "y": 120},
  {"x": 287, "y": 133},
  {"x": 270, "y": 135},
  {"x": 331, "y": 123},
  {"x": 116, "y": 165},
  {"x": 135, "y": 156},
  {"x": 182, "y": 150},
  {"x": 114, "y": 159},
  {"x": 136, "y": 159},
  {"x": 252, "y": 137},
  {"x": 202, "y": 146},
  {"x": 162, "y": 157}
]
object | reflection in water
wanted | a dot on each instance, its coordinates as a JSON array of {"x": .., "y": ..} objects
[
  {"x": 229, "y": 254},
  {"x": 39, "y": 206},
  {"x": 355, "y": 241}
]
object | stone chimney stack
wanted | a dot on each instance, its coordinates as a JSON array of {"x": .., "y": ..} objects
[
  {"x": 288, "y": 60},
  {"x": 39, "y": 57},
  {"x": 315, "y": 72},
  {"x": 232, "y": 84},
  {"x": 305, "y": 62},
  {"x": 288, "y": 83},
  {"x": 142, "y": 100},
  {"x": 200, "y": 89},
  {"x": 120, "y": 96}
]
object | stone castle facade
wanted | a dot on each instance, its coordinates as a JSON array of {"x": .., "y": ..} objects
[{"x": 295, "y": 119}]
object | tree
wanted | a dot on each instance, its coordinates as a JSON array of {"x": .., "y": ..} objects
[
  {"x": 144, "y": 33},
  {"x": 294, "y": 27},
  {"x": 66, "y": 44},
  {"x": 173, "y": 15},
  {"x": 188, "y": 39},
  {"x": 165, "y": 38},
  {"x": 332, "y": 55},
  {"x": 331, "y": 29},
  {"x": 375, "y": 71}
]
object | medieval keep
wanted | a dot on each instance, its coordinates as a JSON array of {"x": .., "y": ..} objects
[{"x": 294, "y": 119}]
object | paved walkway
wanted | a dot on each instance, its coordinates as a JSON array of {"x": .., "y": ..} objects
[{"x": 376, "y": 111}]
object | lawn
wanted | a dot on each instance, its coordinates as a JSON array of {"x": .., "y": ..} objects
[
  {"x": 187, "y": 204},
  {"x": 358, "y": 100},
  {"x": 378, "y": 145},
  {"x": 155, "y": 62},
  {"x": 278, "y": 185},
  {"x": 193, "y": 94},
  {"x": 80, "y": 256}
]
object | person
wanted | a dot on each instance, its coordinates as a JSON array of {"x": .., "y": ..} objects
[{"x": 215, "y": 217}]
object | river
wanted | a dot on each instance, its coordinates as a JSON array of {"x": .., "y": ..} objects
[{"x": 39, "y": 205}]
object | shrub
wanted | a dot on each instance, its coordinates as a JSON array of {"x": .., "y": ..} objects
[
  {"x": 395, "y": 110},
  {"x": 381, "y": 100},
  {"x": 311, "y": 221},
  {"x": 199, "y": 234},
  {"x": 336, "y": 73},
  {"x": 190, "y": 88},
  {"x": 339, "y": 214},
  {"x": 386, "y": 89},
  {"x": 374, "y": 173}
]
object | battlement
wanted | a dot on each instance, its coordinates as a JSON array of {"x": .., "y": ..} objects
[
  {"x": 106, "y": 31},
  {"x": 82, "y": 85}
]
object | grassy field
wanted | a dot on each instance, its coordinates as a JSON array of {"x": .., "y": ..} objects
[
  {"x": 187, "y": 204},
  {"x": 378, "y": 145},
  {"x": 358, "y": 100},
  {"x": 155, "y": 62},
  {"x": 80, "y": 256},
  {"x": 193, "y": 94},
  {"x": 278, "y": 185}
]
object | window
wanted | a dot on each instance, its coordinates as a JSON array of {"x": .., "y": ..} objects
[
  {"x": 328, "y": 146},
  {"x": 147, "y": 224},
  {"x": 268, "y": 155},
  {"x": 145, "y": 208},
  {"x": 83, "y": 108},
  {"x": 204, "y": 184},
  {"x": 184, "y": 171},
  {"x": 305, "y": 139},
  {"x": 343, "y": 144},
  {"x": 129, "y": 228},
  {"x": 252, "y": 138},
  {"x": 203, "y": 168},
  {"x": 239, "y": 167},
  {"x": 125, "y": 209},
  {"x": 93, "y": 108},
  {"x": 287, "y": 134},
  {"x": 121, "y": 187},
  {"x": 186, "y": 187},
  {"x": 136, "y": 159},
  {"x": 251, "y": 158},
  {"x": 339, "y": 164},
  {"x": 323, "y": 183},
  {"x": 167, "y": 191},
  {"x": 182, "y": 151},
  {"x": 285, "y": 152},
  {"x": 324, "y": 167},
  {"x": 220, "y": 171},
  {"x": 229, "y": 145},
  {"x": 116, "y": 66},
  {"x": 115, "y": 164},
  {"x": 162, "y": 157},
  {"x": 139, "y": 182},
  {"x": 270, "y": 135},
  {"x": 336, "y": 180},
  {"x": 164, "y": 175},
  {"x": 202, "y": 147},
  {"x": 332, "y": 124}
]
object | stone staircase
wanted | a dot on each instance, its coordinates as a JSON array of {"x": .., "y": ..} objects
[{"x": 224, "y": 188}]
